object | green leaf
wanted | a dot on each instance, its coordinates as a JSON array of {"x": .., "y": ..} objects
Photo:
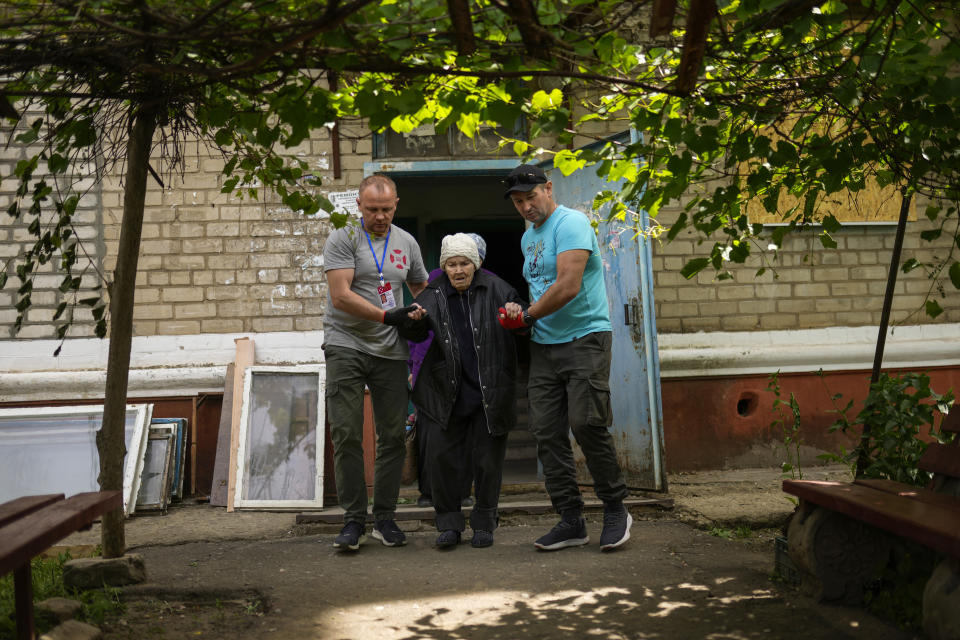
[
  {"x": 910, "y": 265},
  {"x": 324, "y": 203},
  {"x": 542, "y": 101},
  {"x": 693, "y": 267},
  {"x": 827, "y": 241},
  {"x": 830, "y": 224},
  {"x": 954, "y": 275},
  {"x": 933, "y": 308}
]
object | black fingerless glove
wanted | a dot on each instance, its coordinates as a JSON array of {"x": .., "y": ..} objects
[{"x": 397, "y": 316}]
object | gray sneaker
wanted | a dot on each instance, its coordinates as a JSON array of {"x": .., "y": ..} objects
[
  {"x": 567, "y": 533},
  {"x": 351, "y": 536},
  {"x": 616, "y": 527},
  {"x": 387, "y": 532}
]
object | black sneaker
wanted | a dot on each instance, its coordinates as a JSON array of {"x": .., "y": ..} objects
[
  {"x": 387, "y": 532},
  {"x": 351, "y": 536},
  {"x": 467, "y": 502},
  {"x": 448, "y": 539},
  {"x": 567, "y": 533},
  {"x": 424, "y": 501},
  {"x": 616, "y": 527},
  {"x": 481, "y": 539}
]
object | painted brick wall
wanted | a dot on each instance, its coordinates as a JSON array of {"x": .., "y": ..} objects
[
  {"x": 15, "y": 240},
  {"x": 211, "y": 263},
  {"x": 805, "y": 287}
]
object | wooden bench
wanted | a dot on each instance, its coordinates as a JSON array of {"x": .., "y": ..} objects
[
  {"x": 841, "y": 536},
  {"x": 31, "y": 525}
]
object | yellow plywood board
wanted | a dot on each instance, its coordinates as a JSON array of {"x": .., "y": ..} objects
[{"x": 872, "y": 204}]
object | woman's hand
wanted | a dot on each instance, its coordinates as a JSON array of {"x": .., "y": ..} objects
[
  {"x": 418, "y": 312},
  {"x": 512, "y": 310}
]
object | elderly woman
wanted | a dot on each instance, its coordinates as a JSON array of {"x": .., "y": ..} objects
[{"x": 465, "y": 393}]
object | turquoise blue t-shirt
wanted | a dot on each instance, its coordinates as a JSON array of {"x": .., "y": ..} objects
[{"x": 564, "y": 230}]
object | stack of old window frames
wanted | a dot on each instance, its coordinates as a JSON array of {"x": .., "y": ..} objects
[{"x": 276, "y": 445}]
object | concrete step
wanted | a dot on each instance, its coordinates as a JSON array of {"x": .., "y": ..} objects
[{"x": 518, "y": 506}]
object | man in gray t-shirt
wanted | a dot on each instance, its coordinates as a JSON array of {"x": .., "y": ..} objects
[{"x": 366, "y": 265}]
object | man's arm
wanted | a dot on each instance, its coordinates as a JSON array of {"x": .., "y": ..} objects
[
  {"x": 570, "y": 267},
  {"x": 344, "y": 299}
]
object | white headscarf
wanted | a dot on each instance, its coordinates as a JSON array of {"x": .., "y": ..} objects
[{"x": 459, "y": 244}]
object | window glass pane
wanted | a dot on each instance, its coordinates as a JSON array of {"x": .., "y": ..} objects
[
  {"x": 51, "y": 453},
  {"x": 154, "y": 474},
  {"x": 280, "y": 446}
]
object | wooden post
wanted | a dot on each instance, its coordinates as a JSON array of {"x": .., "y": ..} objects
[
  {"x": 244, "y": 359},
  {"x": 23, "y": 601}
]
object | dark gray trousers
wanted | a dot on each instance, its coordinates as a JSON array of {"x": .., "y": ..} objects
[
  {"x": 348, "y": 371},
  {"x": 569, "y": 391}
]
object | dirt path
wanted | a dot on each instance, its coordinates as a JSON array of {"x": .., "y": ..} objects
[{"x": 670, "y": 581}]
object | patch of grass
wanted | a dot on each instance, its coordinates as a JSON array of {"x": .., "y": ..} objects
[
  {"x": 47, "y": 579},
  {"x": 740, "y": 532}
]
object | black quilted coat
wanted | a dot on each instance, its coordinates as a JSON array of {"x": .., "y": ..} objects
[{"x": 438, "y": 381}]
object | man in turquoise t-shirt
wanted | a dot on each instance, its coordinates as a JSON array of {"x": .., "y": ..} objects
[{"x": 569, "y": 387}]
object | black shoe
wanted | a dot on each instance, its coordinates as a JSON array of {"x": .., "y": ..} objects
[
  {"x": 466, "y": 502},
  {"x": 387, "y": 532},
  {"x": 616, "y": 527},
  {"x": 351, "y": 536},
  {"x": 448, "y": 539},
  {"x": 424, "y": 501},
  {"x": 567, "y": 533},
  {"x": 481, "y": 539}
]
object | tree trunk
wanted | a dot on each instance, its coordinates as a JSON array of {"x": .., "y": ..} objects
[
  {"x": 110, "y": 438},
  {"x": 863, "y": 460}
]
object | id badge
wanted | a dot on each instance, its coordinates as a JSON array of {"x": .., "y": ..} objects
[{"x": 387, "y": 300}]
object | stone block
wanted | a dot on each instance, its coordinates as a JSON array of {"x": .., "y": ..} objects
[
  {"x": 73, "y": 630},
  {"x": 94, "y": 573},
  {"x": 837, "y": 557},
  {"x": 59, "y": 608},
  {"x": 941, "y": 602}
]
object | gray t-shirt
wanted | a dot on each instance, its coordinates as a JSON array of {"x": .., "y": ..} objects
[{"x": 347, "y": 248}]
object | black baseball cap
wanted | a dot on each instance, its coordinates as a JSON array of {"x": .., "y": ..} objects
[{"x": 524, "y": 178}]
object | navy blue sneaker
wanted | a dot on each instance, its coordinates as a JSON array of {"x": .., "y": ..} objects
[
  {"x": 481, "y": 539},
  {"x": 448, "y": 539},
  {"x": 351, "y": 536},
  {"x": 616, "y": 527},
  {"x": 567, "y": 533},
  {"x": 387, "y": 532}
]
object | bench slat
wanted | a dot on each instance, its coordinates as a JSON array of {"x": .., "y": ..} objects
[
  {"x": 943, "y": 459},
  {"x": 933, "y": 526},
  {"x": 926, "y": 496},
  {"x": 32, "y": 534},
  {"x": 19, "y": 507}
]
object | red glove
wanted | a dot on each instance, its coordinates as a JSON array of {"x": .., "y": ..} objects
[{"x": 510, "y": 323}]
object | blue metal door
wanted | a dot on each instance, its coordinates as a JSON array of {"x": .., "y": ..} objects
[{"x": 635, "y": 368}]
